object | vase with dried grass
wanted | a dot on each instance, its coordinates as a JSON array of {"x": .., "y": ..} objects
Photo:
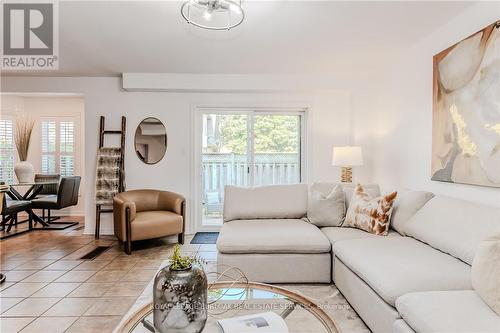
[{"x": 24, "y": 170}]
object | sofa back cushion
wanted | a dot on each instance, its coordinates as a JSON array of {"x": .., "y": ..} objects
[
  {"x": 453, "y": 226},
  {"x": 265, "y": 202},
  {"x": 407, "y": 204}
]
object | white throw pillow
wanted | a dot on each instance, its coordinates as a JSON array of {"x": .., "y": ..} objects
[
  {"x": 326, "y": 209},
  {"x": 486, "y": 272},
  {"x": 408, "y": 202}
]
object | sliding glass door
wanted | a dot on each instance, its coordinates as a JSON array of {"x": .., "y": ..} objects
[
  {"x": 247, "y": 148},
  {"x": 276, "y": 149}
]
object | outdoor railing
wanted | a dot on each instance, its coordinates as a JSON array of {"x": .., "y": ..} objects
[{"x": 232, "y": 169}]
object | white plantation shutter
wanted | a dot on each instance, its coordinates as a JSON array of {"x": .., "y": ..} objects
[
  {"x": 48, "y": 147},
  {"x": 67, "y": 148},
  {"x": 7, "y": 151},
  {"x": 58, "y": 146}
]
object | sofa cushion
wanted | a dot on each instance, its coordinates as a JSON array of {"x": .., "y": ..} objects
[
  {"x": 454, "y": 226},
  {"x": 407, "y": 204},
  {"x": 265, "y": 202},
  {"x": 486, "y": 272},
  {"x": 152, "y": 224},
  {"x": 447, "y": 311},
  {"x": 271, "y": 236},
  {"x": 394, "y": 266},
  {"x": 326, "y": 208},
  {"x": 335, "y": 234}
]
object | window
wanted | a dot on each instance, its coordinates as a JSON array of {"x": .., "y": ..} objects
[
  {"x": 48, "y": 147},
  {"x": 247, "y": 148},
  {"x": 67, "y": 148},
  {"x": 7, "y": 150},
  {"x": 58, "y": 147}
]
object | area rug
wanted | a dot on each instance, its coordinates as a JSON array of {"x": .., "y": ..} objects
[
  {"x": 205, "y": 238},
  {"x": 333, "y": 303}
]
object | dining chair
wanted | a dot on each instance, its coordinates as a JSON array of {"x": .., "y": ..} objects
[
  {"x": 67, "y": 196},
  {"x": 10, "y": 209},
  {"x": 48, "y": 190}
]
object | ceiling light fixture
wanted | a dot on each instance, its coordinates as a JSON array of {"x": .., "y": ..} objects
[{"x": 213, "y": 14}]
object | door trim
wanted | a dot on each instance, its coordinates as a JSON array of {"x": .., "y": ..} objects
[{"x": 197, "y": 111}]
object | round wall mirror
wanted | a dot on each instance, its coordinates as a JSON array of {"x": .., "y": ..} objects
[{"x": 150, "y": 140}]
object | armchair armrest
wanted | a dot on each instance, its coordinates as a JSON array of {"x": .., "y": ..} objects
[{"x": 123, "y": 209}]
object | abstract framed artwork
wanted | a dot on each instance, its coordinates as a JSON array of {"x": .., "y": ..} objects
[{"x": 466, "y": 110}]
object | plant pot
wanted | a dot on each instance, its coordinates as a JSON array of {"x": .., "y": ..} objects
[
  {"x": 180, "y": 300},
  {"x": 25, "y": 172}
]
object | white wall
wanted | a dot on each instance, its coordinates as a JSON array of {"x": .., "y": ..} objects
[
  {"x": 328, "y": 125},
  {"x": 53, "y": 106},
  {"x": 393, "y": 117}
]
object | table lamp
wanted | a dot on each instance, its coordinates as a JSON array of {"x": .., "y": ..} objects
[{"x": 347, "y": 157}]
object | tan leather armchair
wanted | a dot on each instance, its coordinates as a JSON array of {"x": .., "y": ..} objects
[{"x": 146, "y": 214}]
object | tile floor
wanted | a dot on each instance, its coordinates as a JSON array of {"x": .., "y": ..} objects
[{"x": 49, "y": 289}]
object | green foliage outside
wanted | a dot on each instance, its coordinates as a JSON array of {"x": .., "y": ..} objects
[{"x": 273, "y": 134}]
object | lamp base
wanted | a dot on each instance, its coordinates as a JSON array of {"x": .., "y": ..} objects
[{"x": 346, "y": 175}]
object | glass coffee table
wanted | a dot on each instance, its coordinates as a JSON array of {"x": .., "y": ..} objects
[{"x": 239, "y": 299}]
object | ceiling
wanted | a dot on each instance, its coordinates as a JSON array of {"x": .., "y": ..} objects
[{"x": 108, "y": 38}]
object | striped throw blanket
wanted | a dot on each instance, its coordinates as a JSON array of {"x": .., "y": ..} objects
[{"x": 107, "y": 182}]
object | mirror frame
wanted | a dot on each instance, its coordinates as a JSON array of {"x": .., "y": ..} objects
[{"x": 135, "y": 140}]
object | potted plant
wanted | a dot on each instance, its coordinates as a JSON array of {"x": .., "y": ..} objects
[
  {"x": 180, "y": 295},
  {"x": 22, "y": 136}
]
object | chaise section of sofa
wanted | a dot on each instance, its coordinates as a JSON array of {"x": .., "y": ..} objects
[
  {"x": 276, "y": 250},
  {"x": 265, "y": 236}
]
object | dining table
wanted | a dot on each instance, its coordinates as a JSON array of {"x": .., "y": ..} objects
[{"x": 34, "y": 188}]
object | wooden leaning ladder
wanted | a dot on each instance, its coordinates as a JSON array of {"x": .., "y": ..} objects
[{"x": 121, "y": 186}]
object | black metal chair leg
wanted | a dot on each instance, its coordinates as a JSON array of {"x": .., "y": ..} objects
[
  {"x": 30, "y": 221},
  {"x": 97, "y": 221},
  {"x": 11, "y": 222}
]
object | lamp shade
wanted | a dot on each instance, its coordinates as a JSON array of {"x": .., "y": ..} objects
[{"x": 347, "y": 156}]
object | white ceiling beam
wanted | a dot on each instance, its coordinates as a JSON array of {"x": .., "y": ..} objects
[{"x": 173, "y": 82}]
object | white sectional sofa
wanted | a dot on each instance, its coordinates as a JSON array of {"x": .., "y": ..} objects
[{"x": 416, "y": 279}]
